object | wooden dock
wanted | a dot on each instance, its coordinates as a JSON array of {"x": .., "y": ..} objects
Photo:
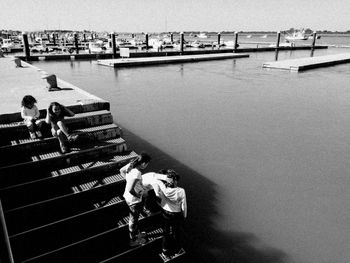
[
  {"x": 309, "y": 63},
  {"x": 132, "y": 62}
]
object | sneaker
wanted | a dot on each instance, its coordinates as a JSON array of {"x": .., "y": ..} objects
[
  {"x": 32, "y": 135},
  {"x": 64, "y": 149},
  {"x": 38, "y": 133},
  {"x": 73, "y": 137},
  {"x": 142, "y": 235},
  {"x": 137, "y": 242}
]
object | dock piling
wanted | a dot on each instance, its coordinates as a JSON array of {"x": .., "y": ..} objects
[
  {"x": 76, "y": 43},
  {"x": 278, "y": 39},
  {"x": 235, "y": 46},
  {"x": 219, "y": 36},
  {"x": 26, "y": 46},
  {"x": 146, "y": 40},
  {"x": 114, "y": 46},
  {"x": 313, "y": 39},
  {"x": 181, "y": 43}
]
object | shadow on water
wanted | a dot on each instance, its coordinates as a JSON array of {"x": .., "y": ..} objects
[{"x": 203, "y": 242}]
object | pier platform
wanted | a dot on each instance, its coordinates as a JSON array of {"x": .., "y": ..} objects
[
  {"x": 50, "y": 198},
  {"x": 308, "y": 63},
  {"x": 132, "y": 62},
  {"x": 16, "y": 82}
]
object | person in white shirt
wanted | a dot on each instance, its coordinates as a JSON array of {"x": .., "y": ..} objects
[
  {"x": 133, "y": 195},
  {"x": 174, "y": 211},
  {"x": 30, "y": 115}
]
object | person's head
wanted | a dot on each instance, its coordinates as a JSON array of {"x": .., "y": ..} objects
[
  {"x": 28, "y": 101},
  {"x": 141, "y": 161},
  {"x": 171, "y": 174},
  {"x": 55, "y": 108}
]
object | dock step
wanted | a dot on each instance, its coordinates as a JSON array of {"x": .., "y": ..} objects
[
  {"x": 18, "y": 130},
  {"x": 33, "y": 170},
  {"x": 79, "y": 107}
]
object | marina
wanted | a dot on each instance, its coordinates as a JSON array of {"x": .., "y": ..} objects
[
  {"x": 302, "y": 64},
  {"x": 174, "y": 132}
]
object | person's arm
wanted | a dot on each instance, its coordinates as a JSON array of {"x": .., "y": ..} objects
[
  {"x": 131, "y": 188},
  {"x": 69, "y": 112},
  {"x": 24, "y": 115},
  {"x": 48, "y": 116},
  {"x": 184, "y": 205},
  {"x": 124, "y": 170},
  {"x": 37, "y": 113}
]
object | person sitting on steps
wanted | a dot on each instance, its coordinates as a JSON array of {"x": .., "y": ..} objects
[
  {"x": 30, "y": 115},
  {"x": 55, "y": 116}
]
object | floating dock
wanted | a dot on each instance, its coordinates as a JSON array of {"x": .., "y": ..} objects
[
  {"x": 309, "y": 63},
  {"x": 133, "y": 62}
]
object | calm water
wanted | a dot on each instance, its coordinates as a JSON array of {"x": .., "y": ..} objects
[{"x": 264, "y": 154}]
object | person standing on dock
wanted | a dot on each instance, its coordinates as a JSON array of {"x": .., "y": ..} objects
[
  {"x": 174, "y": 211},
  {"x": 133, "y": 195}
]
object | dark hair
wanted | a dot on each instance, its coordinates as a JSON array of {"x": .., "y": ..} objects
[
  {"x": 171, "y": 174},
  {"x": 28, "y": 99},
  {"x": 142, "y": 158},
  {"x": 52, "y": 104}
]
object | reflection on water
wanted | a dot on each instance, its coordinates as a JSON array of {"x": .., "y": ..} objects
[{"x": 263, "y": 153}]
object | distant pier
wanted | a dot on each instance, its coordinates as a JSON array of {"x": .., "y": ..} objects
[
  {"x": 309, "y": 63},
  {"x": 131, "y": 62}
]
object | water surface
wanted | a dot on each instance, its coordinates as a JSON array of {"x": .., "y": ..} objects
[{"x": 264, "y": 154}]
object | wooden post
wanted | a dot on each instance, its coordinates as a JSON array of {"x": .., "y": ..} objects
[
  {"x": 26, "y": 46},
  {"x": 76, "y": 43},
  {"x": 278, "y": 39},
  {"x": 181, "y": 42},
  {"x": 48, "y": 37},
  {"x": 171, "y": 37},
  {"x": 277, "y": 44},
  {"x": 313, "y": 39},
  {"x": 146, "y": 40},
  {"x": 235, "y": 46},
  {"x": 219, "y": 36},
  {"x": 84, "y": 37},
  {"x": 92, "y": 36},
  {"x": 114, "y": 46},
  {"x": 54, "y": 39}
]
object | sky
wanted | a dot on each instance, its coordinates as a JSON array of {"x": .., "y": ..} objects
[{"x": 175, "y": 15}]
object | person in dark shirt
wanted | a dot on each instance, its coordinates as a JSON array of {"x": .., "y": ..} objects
[{"x": 55, "y": 117}]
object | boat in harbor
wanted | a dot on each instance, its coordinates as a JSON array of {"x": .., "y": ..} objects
[
  {"x": 97, "y": 47},
  {"x": 203, "y": 35},
  {"x": 297, "y": 35},
  {"x": 9, "y": 45}
]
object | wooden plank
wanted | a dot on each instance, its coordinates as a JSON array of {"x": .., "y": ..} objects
[
  {"x": 130, "y": 62},
  {"x": 308, "y": 63}
]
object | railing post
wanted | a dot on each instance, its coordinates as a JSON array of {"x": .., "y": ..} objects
[
  {"x": 5, "y": 247},
  {"x": 114, "y": 46},
  {"x": 235, "y": 45},
  {"x": 26, "y": 46}
]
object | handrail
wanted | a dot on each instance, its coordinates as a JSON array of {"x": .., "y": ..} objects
[{"x": 7, "y": 256}]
